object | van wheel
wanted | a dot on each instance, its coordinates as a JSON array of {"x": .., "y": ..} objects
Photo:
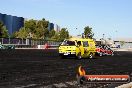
[
  {"x": 91, "y": 55},
  {"x": 79, "y": 56}
]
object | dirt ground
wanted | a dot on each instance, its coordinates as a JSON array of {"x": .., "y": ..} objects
[{"x": 45, "y": 69}]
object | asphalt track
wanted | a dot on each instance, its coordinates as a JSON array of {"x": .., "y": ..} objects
[{"x": 45, "y": 69}]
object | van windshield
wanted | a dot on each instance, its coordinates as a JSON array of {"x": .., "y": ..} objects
[{"x": 68, "y": 43}]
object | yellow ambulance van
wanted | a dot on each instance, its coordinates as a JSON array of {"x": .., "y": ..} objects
[{"x": 77, "y": 47}]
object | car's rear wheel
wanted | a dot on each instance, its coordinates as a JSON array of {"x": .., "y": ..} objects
[
  {"x": 112, "y": 54},
  {"x": 100, "y": 54}
]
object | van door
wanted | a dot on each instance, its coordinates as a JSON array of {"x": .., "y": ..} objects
[
  {"x": 80, "y": 47},
  {"x": 86, "y": 48}
]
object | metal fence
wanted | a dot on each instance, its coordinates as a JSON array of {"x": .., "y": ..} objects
[
  {"x": 27, "y": 42},
  {"x": 14, "y": 41}
]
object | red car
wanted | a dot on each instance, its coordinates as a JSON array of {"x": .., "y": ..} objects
[
  {"x": 108, "y": 51},
  {"x": 104, "y": 50},
  {"x": 100, "y": 50}
]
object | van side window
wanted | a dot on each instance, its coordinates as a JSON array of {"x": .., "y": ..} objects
[
  {"x": 85, "y": 44},
  {"x": 79, "y": 43}
]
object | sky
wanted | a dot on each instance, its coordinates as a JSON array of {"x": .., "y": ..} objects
[{"x": 113, "y": 18}]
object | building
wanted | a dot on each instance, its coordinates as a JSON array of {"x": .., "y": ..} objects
[
  {"x": 50, "y": 26},
  {"x": 12, "y": 23},
  {"x": 56, "y": 28},
  {"x": 53, "y": 26},
  {"x": 124, "y": 42},
  {"x": 118, "y": 42}
]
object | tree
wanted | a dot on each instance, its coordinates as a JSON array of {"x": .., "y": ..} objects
[
  {"x": 1, "y": 28},
  {"x": 41, "y": 30},
  {"x": 51, "y": 33},
  {"x": 45, "y": 23},
  {"x": 64, "y": 34},
  {"x": 46, "y": 33},
  {"x": 38, "y": 29},
  {"x": 3, "y": 31},
  {"x": 88, "y": 32},
  {"x": 22, "y": 33},
  {"x": 56, "y": 36},
  {"x": 39, "y": 33},
  {"x": 122, "y": 43},
  {"x": 30, "y": 25},
  {"x": 42, "y": 24}
]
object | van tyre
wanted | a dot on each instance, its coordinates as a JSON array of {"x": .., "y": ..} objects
[
  {"x": 79, "y": 56},
  {"x": 91, "y": 55}
]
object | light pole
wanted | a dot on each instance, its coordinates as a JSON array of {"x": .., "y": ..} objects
[
  {"x": 103, "y": 36},
  {"x": 116, "y": 34}
]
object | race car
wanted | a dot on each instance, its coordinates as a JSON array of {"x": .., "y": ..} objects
[
  {"x": 108, "y": 51},
  {"x": 104, "y": 50},
  {"x": 100, "y": 51}
]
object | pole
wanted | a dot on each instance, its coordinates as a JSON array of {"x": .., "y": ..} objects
[
  {"x": 9, "y": 39},
  {"x": 103, "y": 36}
]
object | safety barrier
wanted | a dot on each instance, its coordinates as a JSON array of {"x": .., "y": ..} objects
[
  {"x": 47, "y": 46},
  {"x": 37, "y": 46}
]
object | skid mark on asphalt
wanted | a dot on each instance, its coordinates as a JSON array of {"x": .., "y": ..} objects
[
  {"x": 62, "y": 85},
  {"x": 59, "y": 85},
  {"x": 30, "y": 85},
  {"x": 71, "y": 84}
]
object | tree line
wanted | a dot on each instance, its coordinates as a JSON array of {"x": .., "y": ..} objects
[{"x": 38, "y": 29}]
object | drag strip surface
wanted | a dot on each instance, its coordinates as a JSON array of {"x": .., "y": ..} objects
[{"x": 37, "y": 68}]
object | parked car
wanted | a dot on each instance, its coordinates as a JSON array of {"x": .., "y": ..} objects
[{"x": 2, "y": 47}]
